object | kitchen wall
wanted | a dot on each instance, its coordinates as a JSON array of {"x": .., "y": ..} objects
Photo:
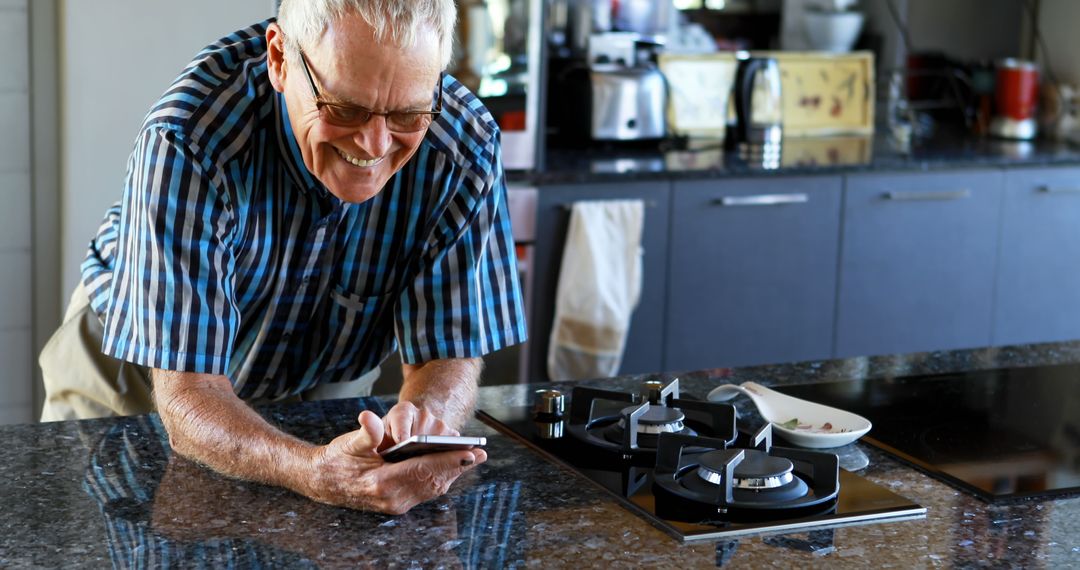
[
  {"x": 15, "y": 214},
  {"x": 963, "y": 29},
  {"x": 1057, "y": 21},
  {"x": 967, "y": 29}
]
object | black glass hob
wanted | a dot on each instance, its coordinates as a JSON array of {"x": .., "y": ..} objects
[
  {"x": 687, "y": 467},
  {"x": 1000, "y": 434}
]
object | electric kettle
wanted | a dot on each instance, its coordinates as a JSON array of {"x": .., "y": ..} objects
[{"x": 757, "y": 131}]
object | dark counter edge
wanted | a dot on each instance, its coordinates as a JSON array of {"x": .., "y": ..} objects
[{"x": 950, "y": 153}]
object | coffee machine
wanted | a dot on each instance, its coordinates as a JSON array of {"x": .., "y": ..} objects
[{"x": 606, "y": 88}]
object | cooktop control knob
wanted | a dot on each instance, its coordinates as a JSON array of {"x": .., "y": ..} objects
[
  {"x": 550, "y": 403},
  {"x": 548, "y": 414},
  {"x": 650, "y": 391}
]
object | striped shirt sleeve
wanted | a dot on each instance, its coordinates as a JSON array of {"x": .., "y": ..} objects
[
  {"x": 171, "y": 300},
  {"x": 465, "y": 300}
]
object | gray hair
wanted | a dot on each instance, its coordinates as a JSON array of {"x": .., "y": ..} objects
[{"x": 399, "y": 21}]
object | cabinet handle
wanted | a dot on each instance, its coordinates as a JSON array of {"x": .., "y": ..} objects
[
  {"x": 1058, "y": 190},
  {"x": 761, "y": 200},
  {"x": 906, "y": 196}
]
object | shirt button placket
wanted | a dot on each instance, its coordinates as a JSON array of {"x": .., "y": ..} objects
[{"x": 316, "y": 247}]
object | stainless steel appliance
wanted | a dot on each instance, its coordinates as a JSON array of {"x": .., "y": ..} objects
[
  {"x": 684, "y": 465},
  {"x": 998, "y": 434},
  {"x": 757, "y": 132},
  {"x": 627, "y": 91},
  {"x": 628, "y": 103}
]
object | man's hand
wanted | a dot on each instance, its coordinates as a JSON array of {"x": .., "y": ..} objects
[
  {"x": 445, "y": 388},
  {"x": 349, "y": 471},
  {"x": 405, "y": 420},
  {"x": 208, "y": 423}
]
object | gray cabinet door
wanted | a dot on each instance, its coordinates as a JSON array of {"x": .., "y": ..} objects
[
  {"x": 644, "y": 344},
  {"x": 918, "y": 262},
  {"x": 752, "y": 276},
  {"x": 1038, "y": 285}
]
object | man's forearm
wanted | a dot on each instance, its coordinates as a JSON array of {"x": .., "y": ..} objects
[
  {"x": 206, "y": 422},
  {"x": 447, "y": 388}
]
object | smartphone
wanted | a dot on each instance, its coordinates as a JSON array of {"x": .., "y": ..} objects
[{"x": 421, "y": 444}]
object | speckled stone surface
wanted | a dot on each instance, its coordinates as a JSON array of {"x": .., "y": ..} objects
[
  {"x": 945, "y": 151},
  {"x": 103, "y": 493}
]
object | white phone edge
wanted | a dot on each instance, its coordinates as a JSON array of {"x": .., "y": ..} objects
[{"x": 458, "y": 440}]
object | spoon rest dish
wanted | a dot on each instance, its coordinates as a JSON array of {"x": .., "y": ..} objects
[{"x": 798, "y": 421}]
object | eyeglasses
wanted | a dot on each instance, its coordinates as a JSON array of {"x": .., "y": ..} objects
[{"x": 345, "y": 115}]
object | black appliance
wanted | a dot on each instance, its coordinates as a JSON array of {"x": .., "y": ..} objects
[
  {"x": 1000, "y": 434},
  {"x": 683, "y": 464}
]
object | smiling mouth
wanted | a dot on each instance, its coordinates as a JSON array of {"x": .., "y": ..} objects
[{"x": 356, "y": 161}]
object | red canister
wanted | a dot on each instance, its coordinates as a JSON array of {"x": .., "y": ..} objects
[{"x": 1017, "y": 89}]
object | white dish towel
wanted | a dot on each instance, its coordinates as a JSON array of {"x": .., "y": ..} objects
[{"x": 599, "y": 287}]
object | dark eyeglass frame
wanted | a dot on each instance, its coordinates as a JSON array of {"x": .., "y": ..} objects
[{"x": 363, "y": 114}]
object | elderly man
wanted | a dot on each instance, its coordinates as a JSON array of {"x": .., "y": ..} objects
[{"x": 307, "y": 194}]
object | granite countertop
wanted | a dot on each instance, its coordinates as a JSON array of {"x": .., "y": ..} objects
[
  {"x": 799, "y": 156},
  {"x": 110, "y": 492}
]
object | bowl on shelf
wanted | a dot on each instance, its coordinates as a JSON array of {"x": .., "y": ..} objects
[{"x": 833, "y": 31}]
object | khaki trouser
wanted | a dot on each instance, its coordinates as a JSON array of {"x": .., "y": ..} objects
[{"x": 82, "y": 382}]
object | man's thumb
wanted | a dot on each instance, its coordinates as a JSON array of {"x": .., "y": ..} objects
[{"x": 363, "y": 441}]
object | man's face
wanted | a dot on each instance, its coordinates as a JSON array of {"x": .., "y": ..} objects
[{"x": 350, "y": 67}]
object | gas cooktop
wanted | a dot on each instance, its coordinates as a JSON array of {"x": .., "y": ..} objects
[
  {"x": 999, "y": 434},
  {"x": 684, "y": 465}
]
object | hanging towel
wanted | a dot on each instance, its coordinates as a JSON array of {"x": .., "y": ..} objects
[{"x": 599, "y": 287}]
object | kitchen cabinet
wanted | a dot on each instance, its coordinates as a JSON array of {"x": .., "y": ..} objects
[
  {"x": 918, "y": 261},
  {"x": 1038, "y": 282},
  {"x": 644, "y": 344},
  {"x": 752, "y": 275},
  {"x": 771, "y": 269}
]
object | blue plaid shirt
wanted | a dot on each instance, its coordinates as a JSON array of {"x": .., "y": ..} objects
[{"x": 226, "y": 256}]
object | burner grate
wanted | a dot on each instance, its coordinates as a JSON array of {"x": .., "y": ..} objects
[
  {"x": 761, "y": 481},
  {"x": 602, "y": 419}
]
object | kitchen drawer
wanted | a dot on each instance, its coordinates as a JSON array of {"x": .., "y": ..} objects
[
  {"x": 752, "y": 276},
  {"x": 918, "y": 262},
  {"x": 1038, "y": 284}
]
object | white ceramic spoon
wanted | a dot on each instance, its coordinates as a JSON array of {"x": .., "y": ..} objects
[{"x": 815, "y": 425}]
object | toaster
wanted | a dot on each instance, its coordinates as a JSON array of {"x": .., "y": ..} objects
[{"x": 628, "y": 103}]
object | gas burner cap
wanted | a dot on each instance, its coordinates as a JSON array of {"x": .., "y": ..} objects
[
  {"x": 657, "y": 419},
  {"x": 757, "y": 471}
]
